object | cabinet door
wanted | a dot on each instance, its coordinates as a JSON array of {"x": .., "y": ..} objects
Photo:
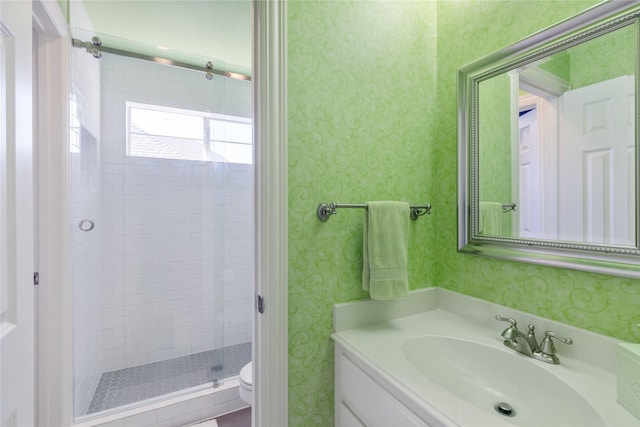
[{"x": 369, "y": 403}]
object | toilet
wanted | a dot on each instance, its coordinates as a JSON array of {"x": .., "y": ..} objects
[{"x": 246, "y": 383}]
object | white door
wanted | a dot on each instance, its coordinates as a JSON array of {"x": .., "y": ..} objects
[
  {"x": 596, "y": 163},
  {"x": 530, "y": 183},
  {"x": 16, "y": 217}
]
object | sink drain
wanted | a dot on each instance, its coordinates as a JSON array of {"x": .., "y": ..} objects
[{"x": 505, "y": 409}]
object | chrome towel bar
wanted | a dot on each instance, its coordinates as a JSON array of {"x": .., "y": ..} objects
[
  {"x": 325, "y": 210},
  {"x": 508, "y": 207}
]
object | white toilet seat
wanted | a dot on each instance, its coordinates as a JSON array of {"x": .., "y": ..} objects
[{"x": 246, "y": 383}]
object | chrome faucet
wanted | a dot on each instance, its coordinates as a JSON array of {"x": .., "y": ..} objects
[{"x": 527, "y": 343}]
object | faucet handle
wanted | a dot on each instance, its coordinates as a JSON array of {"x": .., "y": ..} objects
[
  {"x": 547, "y": 346},
  {"x": 511, "y": 333},
  {"x": 506, "y": 319},
  {"x": 547, "y": 352}
]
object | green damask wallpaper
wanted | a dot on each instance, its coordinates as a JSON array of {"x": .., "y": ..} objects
[
  {"x": 372, "y": 116},
  {"x": 362, "y": 119},
  {"x": 604, "y": 58}
]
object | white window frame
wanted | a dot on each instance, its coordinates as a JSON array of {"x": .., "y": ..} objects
[{"x": 207, "y": 119}]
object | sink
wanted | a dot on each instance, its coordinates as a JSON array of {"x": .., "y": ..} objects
[
  {"x": 500, "y": 381},
  {"x": 440, "y": 356}
]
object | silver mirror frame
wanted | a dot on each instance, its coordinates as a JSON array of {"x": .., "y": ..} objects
[{"x": 607, "y": 259}]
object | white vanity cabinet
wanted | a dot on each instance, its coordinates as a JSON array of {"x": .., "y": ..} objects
[
  {"x": 406, "y": 362},
  {"x": 361, "y": 401}
]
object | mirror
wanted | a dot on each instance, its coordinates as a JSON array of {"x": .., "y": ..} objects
[{"x": 548, "y": 146}]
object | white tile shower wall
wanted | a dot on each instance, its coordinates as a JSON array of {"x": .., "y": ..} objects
[
  {"x": 86, "y": 258},
  {"x": 178, "y": 234}
]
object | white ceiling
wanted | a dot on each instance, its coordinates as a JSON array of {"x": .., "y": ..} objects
[{"x": 192, "y": 30}]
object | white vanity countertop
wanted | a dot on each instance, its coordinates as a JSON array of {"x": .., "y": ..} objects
[{"x": 374, "y": 331}]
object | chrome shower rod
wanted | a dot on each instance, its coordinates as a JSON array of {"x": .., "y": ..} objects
[{"x": 96, "y": 48}]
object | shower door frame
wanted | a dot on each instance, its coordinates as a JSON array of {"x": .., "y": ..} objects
[
  {"x": 54, "y": 396},
  {"x": 54, "y": 304}
]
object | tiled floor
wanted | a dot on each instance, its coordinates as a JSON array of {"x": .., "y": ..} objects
[
  {"x": 241, "y": 418},
  {"x": 138, "y": 383}
]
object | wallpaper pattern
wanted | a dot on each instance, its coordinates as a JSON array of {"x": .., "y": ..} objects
[
  {"x": 362, "y": 118},
  {"x": 372, "y": 116},
  {"x": 604, "y": 58}
]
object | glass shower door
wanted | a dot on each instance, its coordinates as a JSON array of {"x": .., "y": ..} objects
[{"x": 170, "y": 216}]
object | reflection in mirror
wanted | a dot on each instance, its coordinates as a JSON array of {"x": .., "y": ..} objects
[
  {"x": 548, "y": 146},
  {"x": 556, "y": 137}
]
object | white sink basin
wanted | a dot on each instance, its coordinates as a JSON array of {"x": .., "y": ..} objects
[{"x": 485, "y": 376}]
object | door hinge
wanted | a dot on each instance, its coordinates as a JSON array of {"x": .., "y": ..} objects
[
  {"x": 36, "y": 278},
  {"x": 260, "y": 304}
]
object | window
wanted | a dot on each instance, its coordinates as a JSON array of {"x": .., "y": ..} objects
[{"x": 172, "y": 133}]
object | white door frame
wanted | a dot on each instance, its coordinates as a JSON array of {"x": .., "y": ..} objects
[
  {"x": 55, "y": 294},
  {"x": 270, "y": 135},
  {"x": 544, "y": 91}
]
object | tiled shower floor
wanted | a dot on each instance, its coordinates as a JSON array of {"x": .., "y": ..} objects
[{"x": 124, "y": 386}]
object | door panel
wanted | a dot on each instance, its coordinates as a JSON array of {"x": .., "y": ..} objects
[
  {"x": 16, "y": 213},
  {"x": 596, "y": 167}
]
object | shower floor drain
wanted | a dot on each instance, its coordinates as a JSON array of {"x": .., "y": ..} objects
[{"x": 505, "y": 409}]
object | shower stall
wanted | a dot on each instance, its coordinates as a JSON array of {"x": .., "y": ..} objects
[{"x": 162, "y": 219}]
